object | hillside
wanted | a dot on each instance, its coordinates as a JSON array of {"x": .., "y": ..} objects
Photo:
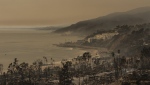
[
  {"x": 108, "y": 22},
  {"x": 130, "y": 39}
]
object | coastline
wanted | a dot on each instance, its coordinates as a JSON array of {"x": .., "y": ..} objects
[
  {"x": 76, "y": 46},
  {"x": 99, "y": 49}
]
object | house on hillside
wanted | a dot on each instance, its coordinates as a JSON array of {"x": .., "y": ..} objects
[{"x": 102, "y": 36}]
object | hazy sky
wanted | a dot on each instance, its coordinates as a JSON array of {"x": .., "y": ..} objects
[{"x": 59, "y": 12}]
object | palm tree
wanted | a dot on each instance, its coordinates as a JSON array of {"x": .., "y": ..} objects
[
  {"x": 36, "y": 70},
  {"x": 23, "y": 70},
  {"x": 123, "y": 63},
  {"x": 86, "y": 56},
  {"x": 12, "y": 69},
  {"x": 64, "y": 75},
  {"x": 115, "y": 64},
  {"x": 33, "y": 72},
  {"x": 5, "y": 80},
  {"x": 145, "y": 57},
  {"x": 113, "y": 54},
  {"x": 39, "y": 64},
  {"x": 79, "y": 58},
  {"x": 1, "y": 69}
]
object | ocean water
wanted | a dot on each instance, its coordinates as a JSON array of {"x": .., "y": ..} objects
[{"x": 28, "y": 45}]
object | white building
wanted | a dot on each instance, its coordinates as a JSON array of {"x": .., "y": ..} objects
[{"x": 103, "y": 36}]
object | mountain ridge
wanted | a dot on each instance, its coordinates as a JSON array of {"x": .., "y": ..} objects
[{"x": 108, "y": 22}]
